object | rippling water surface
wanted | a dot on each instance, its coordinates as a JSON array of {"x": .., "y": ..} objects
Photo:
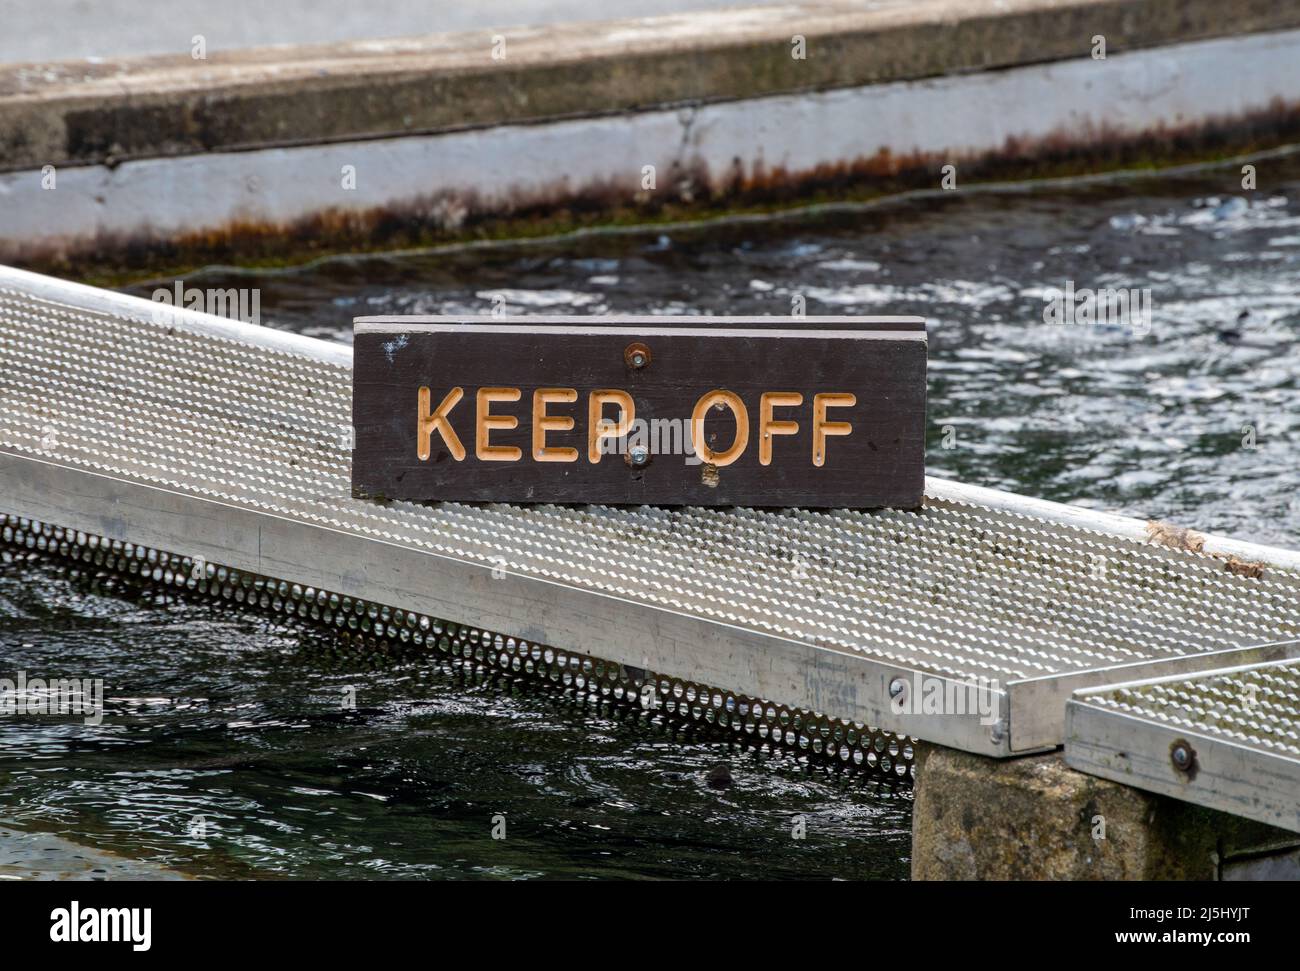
[{"x": 236, "y": 719}]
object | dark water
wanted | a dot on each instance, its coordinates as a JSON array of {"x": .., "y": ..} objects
[
  {"x": 237, "y": 718},
  {"x": 231, "y": 717}
]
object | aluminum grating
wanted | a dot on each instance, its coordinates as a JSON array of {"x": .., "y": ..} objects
[
  {"x": 667, "y": 703},
  {"x": 93, "y": 385},
  {"x": 1257, "y": 706},
  {"x": 1228, "y": 740}
]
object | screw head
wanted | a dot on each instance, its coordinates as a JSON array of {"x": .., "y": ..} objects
[
  {"x": 897, "y": 688},
  {"x": 636, "y": 355},
  {"x": 1183, "y": 756},
  {"x": 640, "y": 455}
]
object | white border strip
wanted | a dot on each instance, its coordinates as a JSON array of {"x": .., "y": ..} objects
[{"x": 593, "y": 326}]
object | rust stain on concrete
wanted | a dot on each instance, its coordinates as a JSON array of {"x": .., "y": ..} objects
[{"x": 689, "y": 192}]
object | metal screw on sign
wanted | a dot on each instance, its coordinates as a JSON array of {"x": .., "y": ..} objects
[{"x": 636, "y": 355}]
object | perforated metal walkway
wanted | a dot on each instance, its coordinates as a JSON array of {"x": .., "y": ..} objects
[
  {"x": 227, "y": 444},
  {"x": 1229, "y": 740}
]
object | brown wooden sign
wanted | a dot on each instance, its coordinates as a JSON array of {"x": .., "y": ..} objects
[{"x": 736, "y": 411}]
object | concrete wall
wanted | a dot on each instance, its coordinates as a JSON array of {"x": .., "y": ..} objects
[{"x": 405, "y": 142}]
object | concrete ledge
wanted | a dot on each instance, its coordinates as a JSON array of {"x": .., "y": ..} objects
[
  {"x": 1139, "y": 109},
  {"x": 81, "y": 113},
  {"x": 1036, "y": 819},
  {"x": 277, "y": 156}
]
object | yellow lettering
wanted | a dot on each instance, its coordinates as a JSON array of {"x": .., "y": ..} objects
[
  {"x": 487, "y": 421},
  {"x": 767, "y": 427},
  {"x": 598, "y": 427},
  {"x": 823, "y": 428},
  {"x": 542, "y": 423},
  {"x": 731, "y": 400},
  {"x": 428, "y": 422}
]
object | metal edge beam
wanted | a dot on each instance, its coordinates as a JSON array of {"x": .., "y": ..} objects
[
  {"x": 1135, "y": 751},
  {"x": 1037, "y": 705},
  {"x": 829, "y": 681},
  {"x": 1064, "y": 516}
]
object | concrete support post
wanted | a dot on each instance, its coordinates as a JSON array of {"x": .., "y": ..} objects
[{"x": 1034, "y": 818}]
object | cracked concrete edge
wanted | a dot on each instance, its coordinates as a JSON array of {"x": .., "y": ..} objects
[{"x": 83, "y": 113}]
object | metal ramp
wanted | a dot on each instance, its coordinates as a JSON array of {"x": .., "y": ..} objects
[
  {"x": 214, "y": 452},
  {"x": 1227, "y": 740}
]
